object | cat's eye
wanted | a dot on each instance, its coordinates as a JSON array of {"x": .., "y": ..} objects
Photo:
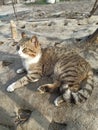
[
  {"x": 17, "y": 48},
  {"x": 31, "y": 50},
  {"x": 25, "y": 49}
]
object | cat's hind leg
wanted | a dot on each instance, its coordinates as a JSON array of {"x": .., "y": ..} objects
[
  {"x": 49, "y": 87},
  {"x": 65, "y": 95},
  {"x": 58, "y": 101}
]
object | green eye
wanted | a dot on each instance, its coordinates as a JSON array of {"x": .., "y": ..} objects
[
  {"x": 25, "y": 50},
  {"x": 31, "y": 50}
]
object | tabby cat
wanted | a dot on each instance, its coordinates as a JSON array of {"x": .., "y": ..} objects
[{"x": 72, "y": 74}]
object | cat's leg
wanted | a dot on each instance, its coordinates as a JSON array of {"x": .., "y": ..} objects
[
  {"x": 19, "y": 83},
  {"x": 20, "y": 71},
  {"x": 63, "y": 89},
  {"x": 66, "y": 95},
  {"x": 70, "y": 94},
  {"x": 58, "y": 100},
  {"x": 49, "y": 87},
  {"x": 22, "y": 82}
]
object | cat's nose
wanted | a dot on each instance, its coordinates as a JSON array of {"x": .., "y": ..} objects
[{"x": 17, "y": 48}]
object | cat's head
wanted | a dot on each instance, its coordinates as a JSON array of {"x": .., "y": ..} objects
[{"x": 28, "y": 47}]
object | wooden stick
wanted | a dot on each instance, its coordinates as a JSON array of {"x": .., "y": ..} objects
[
  {"x": 95, "y": 7},
  {"x": 13, "y": 30},
  {"x": 91, "y": 38}
]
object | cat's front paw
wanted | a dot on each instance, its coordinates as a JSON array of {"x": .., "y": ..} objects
[
  {"x": 11, "y": 88},
  {"x": 20, "y": 71}
]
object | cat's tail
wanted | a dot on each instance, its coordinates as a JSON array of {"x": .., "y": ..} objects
[{"x": 83, "y": 94}]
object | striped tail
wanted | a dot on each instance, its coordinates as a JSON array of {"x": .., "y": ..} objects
[{"x": 83, "y": 94}]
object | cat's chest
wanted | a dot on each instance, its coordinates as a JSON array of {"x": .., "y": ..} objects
[{"x": 26, "y": 64}]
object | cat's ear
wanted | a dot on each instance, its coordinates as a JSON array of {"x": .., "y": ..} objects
[
  {"x": 34, "y": 40},
  {"x": 23, "y": 35}
]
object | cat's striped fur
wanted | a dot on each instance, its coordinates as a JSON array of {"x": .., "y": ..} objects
[{"x": 72, "y": 74}]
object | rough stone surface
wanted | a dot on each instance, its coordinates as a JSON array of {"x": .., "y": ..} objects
[
  {"x": 50, "y": 31},
  {"x": 37, "y": 122},
  {"x": 3, "y": 128}
]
